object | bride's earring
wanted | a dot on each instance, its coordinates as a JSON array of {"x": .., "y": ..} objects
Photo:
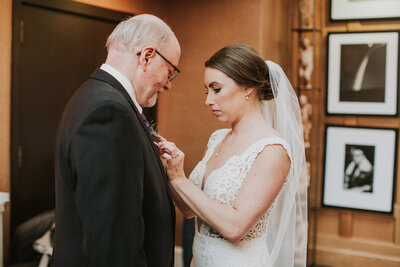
[{"x": 248, "y": 91}]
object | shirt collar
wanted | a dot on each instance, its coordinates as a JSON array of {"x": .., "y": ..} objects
[{"x": 124, "y": 81}]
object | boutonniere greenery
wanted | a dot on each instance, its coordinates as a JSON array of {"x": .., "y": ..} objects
[{"x": 153, "y": 131}]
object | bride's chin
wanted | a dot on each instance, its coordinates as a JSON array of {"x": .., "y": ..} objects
[{"x": 222, "y": 119}]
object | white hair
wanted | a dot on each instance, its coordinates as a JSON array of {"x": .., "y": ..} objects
[{"x": 137, "y": 31}]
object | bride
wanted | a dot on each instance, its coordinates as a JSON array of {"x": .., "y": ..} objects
[{"x": 248, "y": 192}]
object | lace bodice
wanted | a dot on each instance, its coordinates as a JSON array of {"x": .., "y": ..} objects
[{"x": 224, "y": 183}]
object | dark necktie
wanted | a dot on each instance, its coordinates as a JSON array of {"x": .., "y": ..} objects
[{"x": 146, "y": 122}]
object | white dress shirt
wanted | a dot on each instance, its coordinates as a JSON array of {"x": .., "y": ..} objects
[{"x": 124, "y": 81}]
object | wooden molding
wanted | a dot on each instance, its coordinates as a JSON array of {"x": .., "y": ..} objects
[
  {"x": 396, "y": 214},
  {"x": 396, "y": 211},
  {"x": 336, "y": 251},
  {"x": 346, "y": 224}
]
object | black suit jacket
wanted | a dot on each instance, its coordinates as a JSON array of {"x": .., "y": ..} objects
[{"x": 113, "y": 207}]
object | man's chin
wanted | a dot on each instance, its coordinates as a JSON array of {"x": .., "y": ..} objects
[{"x": 152, "y": 101}]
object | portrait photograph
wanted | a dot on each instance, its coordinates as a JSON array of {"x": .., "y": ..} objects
[
  {"x": 362, "y": 73},
  {"x": 342, "y": 10},
  {"x": 359, "y": 168}
]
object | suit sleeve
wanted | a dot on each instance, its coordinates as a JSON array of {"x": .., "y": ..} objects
[{"x": 106, "y": 158}]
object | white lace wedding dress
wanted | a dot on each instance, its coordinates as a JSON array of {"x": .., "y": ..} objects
[{"x": 223, "y": 184}]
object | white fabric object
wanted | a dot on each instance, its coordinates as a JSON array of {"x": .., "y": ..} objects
[
  {"x": 43, "y": 246},
  {"x": 287, "y": 226},
  {"x": 223, "y": 184},
  {"x": 124, "y": 82}
]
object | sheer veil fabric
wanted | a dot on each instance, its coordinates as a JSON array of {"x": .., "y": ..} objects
[{"x": 287, "y": 228}]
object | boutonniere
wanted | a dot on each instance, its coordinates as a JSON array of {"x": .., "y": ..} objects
[{"x": 153, "y": 132}]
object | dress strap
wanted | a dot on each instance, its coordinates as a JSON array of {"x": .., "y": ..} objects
[{"x": 250, "y": 154}]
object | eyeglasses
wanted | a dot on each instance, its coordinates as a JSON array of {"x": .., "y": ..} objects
[{"x": 171, "y": 74}]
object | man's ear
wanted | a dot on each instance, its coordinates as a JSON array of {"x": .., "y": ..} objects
[{"x": 146, "y": 55}]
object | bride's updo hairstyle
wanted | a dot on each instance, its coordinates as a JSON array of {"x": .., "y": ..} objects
[{"x": 245, "y": 66}]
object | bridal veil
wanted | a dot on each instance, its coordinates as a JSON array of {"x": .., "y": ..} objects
[{"x": 287, "y": 228}]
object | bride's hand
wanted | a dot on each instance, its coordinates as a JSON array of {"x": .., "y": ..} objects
[{"x": 174, "y": 159}]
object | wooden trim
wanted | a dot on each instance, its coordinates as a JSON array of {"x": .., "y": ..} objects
[
  {"x": 396, "y": 231},
  {"x": 358, "y": 246},
  {"x": 77, "y": 8},
  {"x": 346, "y": 223},
  {"x": 338, "y": 257}
]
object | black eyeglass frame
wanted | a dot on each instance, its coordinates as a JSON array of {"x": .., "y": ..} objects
[{"x": 173, "y": 76}]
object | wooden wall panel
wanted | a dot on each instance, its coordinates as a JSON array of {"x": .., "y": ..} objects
[
  {"x": 328, "y": 222},
  {"x": 373, "y": 226}
]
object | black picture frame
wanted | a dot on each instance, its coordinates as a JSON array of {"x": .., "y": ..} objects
[
  {"x": 360, "y": 167},
  {"x": 347, "y": 10},
  {"x": 362, "y": 73}
]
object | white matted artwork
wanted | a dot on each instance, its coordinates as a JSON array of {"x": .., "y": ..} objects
[
  {"x": 362, "y": 73},
  {"x": 364, "y": 9},
  {"x": 360, "y": 166}
]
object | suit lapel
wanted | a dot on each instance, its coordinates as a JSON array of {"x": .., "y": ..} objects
[{"x": 102, "y": 75}]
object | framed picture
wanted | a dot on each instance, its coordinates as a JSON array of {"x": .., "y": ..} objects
[
  {"x": 364, "y": 9},
  {"x": 362, "y": 73},
  {"x": 360, "y": 168}
]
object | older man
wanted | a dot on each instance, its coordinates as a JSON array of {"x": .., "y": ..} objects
[{"x": 113, "y": 207}]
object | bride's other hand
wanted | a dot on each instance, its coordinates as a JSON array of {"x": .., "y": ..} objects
[
  {"x": 167, "y": 149},
  {"x": 175, "y": 159}
]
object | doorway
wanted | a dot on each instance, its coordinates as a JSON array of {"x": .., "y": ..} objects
[{"x": 56, "y": 46}]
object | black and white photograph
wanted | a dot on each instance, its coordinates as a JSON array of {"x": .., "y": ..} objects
[
  {"x": 360, "y": 166},
  {"x": 342, "y": 10},
  {"x": 362, "y": 73}
]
